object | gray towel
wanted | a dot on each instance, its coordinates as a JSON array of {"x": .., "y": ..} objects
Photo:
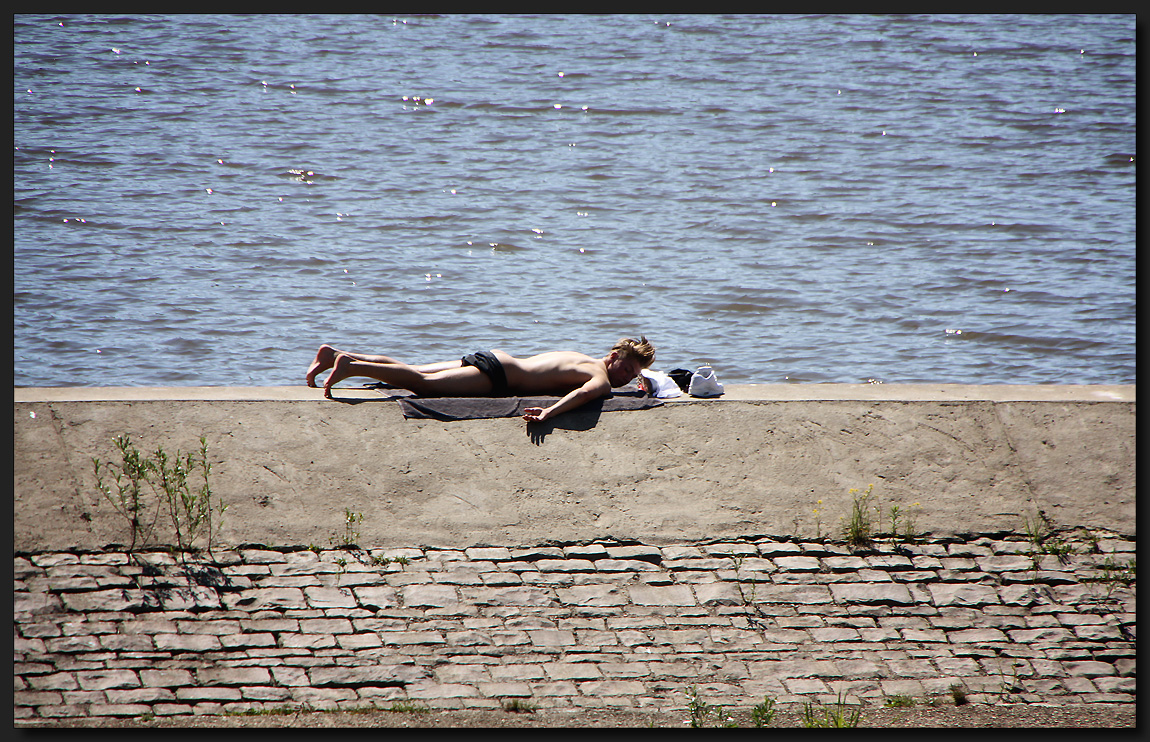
[{"x": 473, "y": 408}]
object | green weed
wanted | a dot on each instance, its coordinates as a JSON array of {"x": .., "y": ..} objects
[
  {"x": 406, "y": 707},
  {"x": 701, "y": 712},
  {"x": 899, "y": 701},
  {"x": 167, "y": 482},
  {"x": 838, "y": 716},
  {"x": 763, "y": 713},
  {"x": 1044, "y": 539},
  {"x": 1115, "y": 575},
  {"x": 902, "y": 525},
  {"x": 859, "y": 530},
  {"x": 516, "y": 706},
  {"x": 350, "y": 533},
  {"x": 129, "y": 500}
]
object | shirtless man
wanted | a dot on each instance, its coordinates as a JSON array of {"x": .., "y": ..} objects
[{"x": 577, "y": 377}]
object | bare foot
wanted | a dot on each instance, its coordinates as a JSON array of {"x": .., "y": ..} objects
[
  {"x": 324, "y": 358},
  {"x": 339, "y": 372}
]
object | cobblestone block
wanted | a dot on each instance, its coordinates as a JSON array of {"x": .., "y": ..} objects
[
  {"x": 325, "y": 626},
  {"x": 438, "y": 691},
  {"x": 382, "y": 675},
  {"x": 126, "y": 643},
  {"x": 1045, "y": 635},
  {"x": 233, "y": 676},
  {"x": 962, "y": 594},
  {"x": 1004, "y": 563},
  {"x": 889, "y": 562},
  {"x": 330, "y": 597},
  {"x": 670, "y": 595},
  {"x": 306, "y": 641},
  {"x": 924, "y": 635},
  {"x": 718, "y": 593},
  {"x": 551, "y": 637},
  {"x": 794, "y": 594},
  {"x": 375, "y": 597},
  {"x": 262, "y": 598},
  {"x": 626, "y": 565},
  {"x": 844, "y": 563},
  {"x": 1088, "y": 669},
  {"x": 500, "y": 579},
  {"x": 806, "y": 686},
  {"x": 106, "y": 679},
  {"x": 247, "y": 641},
  {"x": 429, "y": 596},
  {"x": 871, "y": 593},
  {"x": 519, "y": 595},
  {"x": 977, "y": 636},
  {"x": 572, "y": 671},
  {"x": 488, "y": 553},
  {"x": 140, "y": 695},
  {"x": 1116, "y": 684},
  {"x": 215, "y": 693},
  {"x": 187, "y": 642},
  {"x": 796, "y": 563},
  {"x": 412, "y": 637},
  {"x": 565, "y": 565},
  {"x": 36, "y": 604},
  {"x": 536, "y": 553}
]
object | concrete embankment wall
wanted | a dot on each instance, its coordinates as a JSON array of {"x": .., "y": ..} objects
[
  {"x": 601, "y": 561},
  {"x": 290, "y": 465}
]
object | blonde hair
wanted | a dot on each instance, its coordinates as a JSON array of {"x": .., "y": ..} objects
[{"x": 640, "y": 349}]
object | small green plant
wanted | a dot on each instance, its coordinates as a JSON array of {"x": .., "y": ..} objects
[
  {"x": 516, "y": 706},
  {"x": 350, "y": 533},
  {"x": 753, "y": 610},
  {"x": 899, "y": 701},
  {"x": 700, "y": 711},
  {"x": 406, "y": 707},
  {"x": 1009, "y": 686},
  {"x": 190, "y": 509},
  {"x": 129, "y": 500},
  {"x": 1044, "y": 539},
  {"x": 1115, "y": 575},
  {"x": 858, "y": 531},
  {"x": 958, "y": 693},
  {"x": 838, "y": 716},
  {"x": 168, "y": 479},
  {"x": 905, "y": 519},
  {"x": 764, "y": 713}
]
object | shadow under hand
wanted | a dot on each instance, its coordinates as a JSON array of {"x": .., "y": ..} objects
[{"x": 584, "y": 418}]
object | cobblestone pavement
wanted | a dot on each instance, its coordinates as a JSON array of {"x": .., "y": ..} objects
[{"x": 592, "y": 626}]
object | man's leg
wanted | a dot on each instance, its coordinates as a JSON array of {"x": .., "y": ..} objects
[
  {"x": 446, "y": 380},
  {"x": 325, "y": 359}
]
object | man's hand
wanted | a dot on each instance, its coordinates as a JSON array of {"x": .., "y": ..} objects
[{"x": 535, "y": 414}]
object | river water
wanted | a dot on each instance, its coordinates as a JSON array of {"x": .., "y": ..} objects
[{"x": 203, "y": 200}]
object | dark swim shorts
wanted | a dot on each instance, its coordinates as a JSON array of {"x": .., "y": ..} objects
[{"x": 485, "y": 361}]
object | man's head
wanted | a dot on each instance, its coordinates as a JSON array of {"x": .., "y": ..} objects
[{"x": 627, "y": 358}]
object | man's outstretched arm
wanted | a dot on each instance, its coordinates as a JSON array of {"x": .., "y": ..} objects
[{"x": 593, "y": 389}]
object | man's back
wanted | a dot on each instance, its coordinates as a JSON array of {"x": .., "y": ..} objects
[{"x": 557, "y": 372}]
